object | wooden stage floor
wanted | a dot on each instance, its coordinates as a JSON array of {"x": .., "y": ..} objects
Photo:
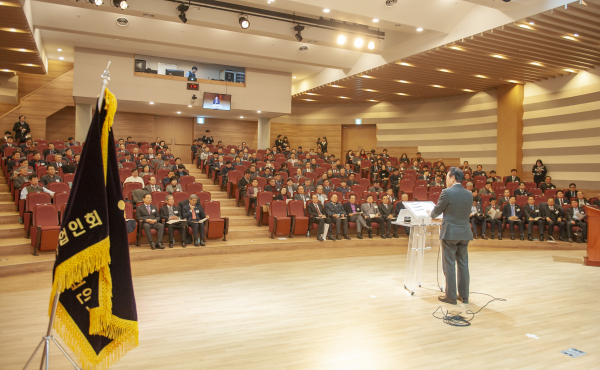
[{"x": 335, "y": 308}]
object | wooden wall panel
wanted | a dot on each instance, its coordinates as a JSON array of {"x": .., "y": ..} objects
[
  {"x": 306, "y": 135},
  {"x": 510, "y": 129},
  {"x": 229, "y": 131},
  {"x": 42, "y": 103},
  {"x": 358, "y": 137},
  {"x": 137, "y": 125},
  {"x": 61, "y": 125}
]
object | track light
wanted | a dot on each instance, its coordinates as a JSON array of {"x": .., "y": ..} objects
[
  {"x": 244, "y": 22},
  {"x": 341, "y": 39},
  {"x": 358, "y": 42},
  {"x": 121, "y": 4},
  {"x": 371, "y": 45},
  {"x": 182, "y": 8},
  {"x": 298, "y": 30}
]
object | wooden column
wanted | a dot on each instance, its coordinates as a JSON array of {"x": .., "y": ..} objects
[{"x": 510, "y": 129}]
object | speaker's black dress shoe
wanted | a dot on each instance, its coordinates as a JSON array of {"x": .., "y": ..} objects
[
  {"x": 445, "y": 299},
  {"x": 347, "y": 237},
  {"x": 499, "y": 237},
  {"x": 160, "y": 246},
  {"x": 541, "y": 238}
]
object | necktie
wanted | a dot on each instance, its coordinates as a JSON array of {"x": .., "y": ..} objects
[
  {"x": 512, "y": 209},
  {"x": 318, "y": 210},
  {"x": 531, "y": 208},
  {"x": 148, "y": 208},
  {"x": 193, "y": 214},
  {"x": 552, "y": 208}
]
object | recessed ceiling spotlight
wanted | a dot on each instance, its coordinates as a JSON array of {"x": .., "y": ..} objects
[
  {"x": 370, "y": 90},
  {"x": 189, "y": 105},
  {"x": 531, "y": 23},
  {"x": 358, "y": 42},
  {"x": 455, "y": 48},
  {"x": 258, "y": 111},
  {"x": 403, "y": 94},
  {"x": 569, "y": 38},
  {"x": 438, "y": 86},
  {"x": 121, "y": 4},
  {"x": 498, "y": 56},
  {"x": 61, "y": 58},
  {"x": 13, "y": 30},
  {"x": 513, "y": 81},
  {"x": 241, "y": 116},
  {"x": 419, "y": 29},
  {"x": 294, "y": 77},
  {"x": 403, "y": 81},
  {"x": 244, "y": 22},
  {"x": 525, "y": 26},
  {"x": 366, "y": 76},
  {"x": 371, "y": 45},
  {"x": 480, "y": 76},
  {"x": 372, "y": 100},
  {"x": 98, "y": 2},
  {"x": 5, "y": 70},
  {"x": 375, "y": 20},
  {"x": 536, "y": 64},
  {"x": 151, "y": 103},
  {"x": 569, "y": 70},
  {"x": 326, "y": 10},
  {"x": 341, "y": 39},
  {"x": 444, "y": 70},
  {"x": 311, "y": 94},
  {"x": 467, "y": 90},
  {"x": 575, "y": 35},
  {"x": 343, "y": 97},
  {"x": 178, "y": 112},
  {"x": 336, "y": 86},
  {"x": 59, "y": 49},
  {"x": 308, "y": 99},
  {"x": 406, "y": 64}
]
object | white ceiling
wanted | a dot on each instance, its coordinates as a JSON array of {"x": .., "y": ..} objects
[{"x": 213, "y": 36}]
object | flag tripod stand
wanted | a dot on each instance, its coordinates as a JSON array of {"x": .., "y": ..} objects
[{"x": 45, "y": 364}]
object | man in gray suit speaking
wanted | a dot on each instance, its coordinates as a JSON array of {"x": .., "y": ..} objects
[{"x": 455, "y": 203}]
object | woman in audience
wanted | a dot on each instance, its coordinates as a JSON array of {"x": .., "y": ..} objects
[
  {"x": 349, "y": 156},
  {"x": 146, "y": 171},
  {"x": 252, "y": 194},
  {"x": 539, "y": 172},
  {"x": 323, "y": 144},
  {"x": 362, "y": 154},
  {"x": 283, "y": 195},
  {"x": 415, "y": 166},
  {"x": 284, "y": 168},
  {"x": 181, "y": 171},
  {"x": 404, "y": 158},
  {"x": 173, "y": 186}
]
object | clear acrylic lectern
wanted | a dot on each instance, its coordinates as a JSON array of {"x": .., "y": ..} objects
[{"x": 424, "y": 243}]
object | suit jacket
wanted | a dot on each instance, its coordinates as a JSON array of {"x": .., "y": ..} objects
[
  {"x": 164, "y": 212},
  {"x": 583, "y": 202},
  {"x": 334, "y": 209},
  {"x": 46, "y": 152},
  {"x": 370, "y": 209},
  {"x": 510, "y": 179},
  {"x": 302, "y": 197},
  {"x": 372, "y": 189},
  {"x": 149, "y": 188},
  {"x": 506, "y": 211},
  {"x": 187, "y": 212},
  {"x": 503, "y": 200},
  {"x": 55, "y": 164},
  {"x": 527, "y": 212},
  {"x": 479, "y": 173},
  {"x": 142, "y": 213},
  {"x": 519, "y": 192},
  {"x": 386, "y": 210},
  {"x": 570, "y": 212},
  {"x": 46, "y": 179},
  {"x": 243, "y": 183},
  {"x": 311, "y": 208},
  {"x": 562, "y": 202},
  {"x": 170, "y": 189},
  {"x": 348, "y": 208},
  {"x": 553, "y": 214},
  {"x": 498, "y": 212},
  {"x": 545, "y": 186},
  {"x": 163, "y": 166},
  {"x": 455, "y": 203},
  {"x": 570, "y": 194}
]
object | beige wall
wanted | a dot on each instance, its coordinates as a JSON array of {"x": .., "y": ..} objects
[{"x": 61, "y": 124}]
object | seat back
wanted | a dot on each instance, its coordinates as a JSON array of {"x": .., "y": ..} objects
[
  {"x": 296, "y": 208},
  {"x": 499, "y": 192},
  {"x": 129, "y": 166},
  {"x": 338, "y": 193},
  {"x": 485, "y": 198},
  {"x": 124, "y": 173},
  {"x": 60, "y": 199},
  {"x": 536, "y": 192},
  {"x": 435, "y": 190},
  {"x": 69, "y": 178},
  {"x": 335, "y": 182},
  {"x": 212, "y": 209},
  {"x": 550, "y": 193},
  {"x": 512, "y": 186},
  {"x": 262, "y": 182},
  {"x": 41, "y": 171},
  {"x": 363, "y": 182},
  {"x": 278, "y": 208},
  {"x": 185, "y": 180},
  {"x": 45, "y": 215},
  {"x": 421, "y": 183},
  {"x": 420, "y": 193},
  {"x": 234, "y": 176},
  {"x": 193, "y": 188},
  {"x": 203, "y": 196},
  {"x": 522, "y": 199},
  {"x": 434, "y": 197},
  {"x": 479, "y": 178},
  {"x": 311, "y": 175},
  {"x": 159, "y": 197},
  {"x": 406, "y": 186},
  {"x": 58, "y": 187},
  {"x": 264, "y": 197},
  {"x": 178, "y": 196},
  {"x": 129, "y": 187},
  {"x": 34, "y": 199},
  {"x": 76, "y": 149},
  {"x": 496, "y": 185},
  {"x": 359, "y": 189},
  {"x": 530, "y": 185},
  {"x": 539, "y": 200}
]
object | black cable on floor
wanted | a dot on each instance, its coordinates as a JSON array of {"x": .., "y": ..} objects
[{"x": 458, "y": 320}]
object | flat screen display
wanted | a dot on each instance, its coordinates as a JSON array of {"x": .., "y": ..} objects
[{"x": 217, "y": 101}]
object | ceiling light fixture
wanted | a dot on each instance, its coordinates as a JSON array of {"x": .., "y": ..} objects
[
  {"x": 531, "y": 23},
  {"x": 513, "y": 81},
  {"x": 498, "y": 56},
  {"x": 98, "y": 2},
  {"x": 370, "y": 90},
  {"x": 455, "y": 48},
  {"x": 311, "y": 94},
  {"x": 366, "y": 76},
  {"x": 59, "y": 49},
  {"x": 182, "y": 8},
  {"x": 358, "y": 42},
  {"x": 343, "y": 97},
  {"x": 189, "y": 105},
  {"x": 569, "y": 38},
  {"x": 336, "y": 86},
  {"x": 341, "y": 39},
  {"x": 467, "y": 90},
  {"x": 178, "y": 112},
  {"x": 444, "y": 70},
  {"x": 326, "y": 10},
  {"x": 298, "y": 34},
  {"x": 151, "y": 103},
  {"x": 525, "y": 26},
  {"x": 293, "y": 76},
  {"x": 245, "y": 23},
  {"x": 403, "y": 94},
  {"x": 480, "y": 76},
  {"x": 258, "y": 111},
  {"x": 371, "y": 45},
  {"x": 241, "y": 116},
  {"x": 61, "y": 58},
  {"x": 419, "y": 29},
  {"x": 536, "y": 64},
  {"x": 569, "y": 70},
  {"x": 372, "y": 100},
  {"x": 438, "y": 86},
  {"x": 375, "y": 20},
  {"x": 308, "y": 99},
  {"x": 406, "y": 64},
  {"x": 121, "y": 4},
  {"x": 402, "y": 81},
  {"x": 575, "y": 34}
]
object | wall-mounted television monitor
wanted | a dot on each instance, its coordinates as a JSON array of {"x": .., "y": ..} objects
[{"x": 217, "y": 101}]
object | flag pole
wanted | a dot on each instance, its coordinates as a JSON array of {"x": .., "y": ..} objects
[{"x": 45, "y": 364}]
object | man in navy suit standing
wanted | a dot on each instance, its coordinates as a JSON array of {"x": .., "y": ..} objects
[{"x": 455, "y": 203}]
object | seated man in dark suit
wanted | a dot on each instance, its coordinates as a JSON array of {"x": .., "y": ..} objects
[
  {"x": 477, "y": 218},
  {"x": 513, "y": 177},
  {"x": 317, "y": 212},
  {"x": 355, "y": 215},
  {"x": 560, "y": 200},
  {"x": 50, "y": 177},
  {"x": 547, "y": 184},
  {"x": 58, "y": 162},
  {"x": 479, "y": 172},
  {"x": 351, "y": 180},
  {"x": 576, "y": 216},
  {"x": 148, "y": 213},
  {"x": 513, "y": 215},
  {"x": 193, "y": 213},
  {"x": 327, "y": 188},
  {"x": 582, "y": 200},
  {"x": 335, "y": 211},
  {"x": 505, "y": 198},
  {"x": 554, "y": 216},
  {"x": 170, "y": 212},
  {"x": 243, "y": 183},
  {"x": 50, "y": 150},
  {"x": 572, "y": 192},
  {"x": 272, "y": 186},
  {"x": 399, "y": 207},
  {"x": 533, "y": 215},
  {"x": 376, "y": 188},
  {"x": 127, "y": 159},
  {"x": 493, "y": 215},
  {"x": 387, "y": 213},
  {"x": 15, "y": 162},
  {"x": 343, "y": 188},
  {"x": 521, "y": 191},
  {"x": 493, "y": 177},
  {"x": 152, "y": 185},
  {"x": 37, "y": 161}
]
